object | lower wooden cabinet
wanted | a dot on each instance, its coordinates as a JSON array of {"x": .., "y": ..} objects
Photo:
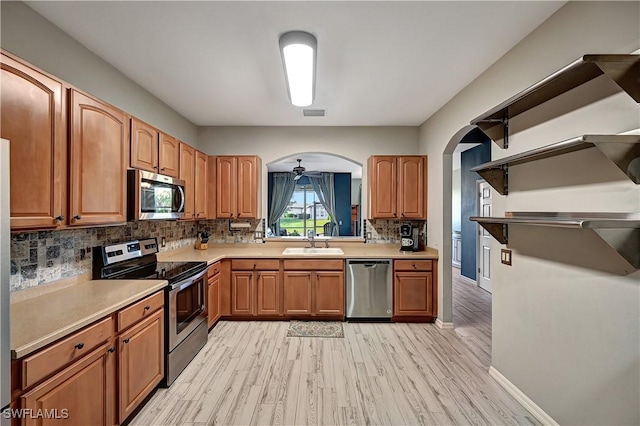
[
  {"x": 255, "y": 287},
  {"x": 81, "y": 394},
  {"x": 213, "y": 294},
  {"x": 242, "y": 293},
  {"x": 268, "y": 293},
  {"x": 140, "y": 362},
  {"x": 314, "y": 288},
  {"x": 415, "y": 290}
]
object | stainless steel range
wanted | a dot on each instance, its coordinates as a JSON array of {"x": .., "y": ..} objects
[{"x": 185, "y": 315}]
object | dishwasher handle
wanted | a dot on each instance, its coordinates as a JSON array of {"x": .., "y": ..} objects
[{"x": 369, "y": 262}]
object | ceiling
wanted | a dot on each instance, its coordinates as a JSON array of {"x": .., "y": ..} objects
[
  {"x": 315, "y": 161},
  {"x": 379, "y": 63}
]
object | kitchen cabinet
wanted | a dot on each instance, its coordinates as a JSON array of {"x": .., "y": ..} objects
[
  {"x": 414, "y": 290},
  {"x": 33, "y": 119},
  {"x": 193, "y": 171},
  {"x": 200, "y": 185},
  {"x": 255, "y": 287},
  {"x": 153, "y": 150},
  {"x": 140, "y": 362},
  {"x": 81, "y": 394},
  {"x": 98, "y": 159},
  {"x": 313, "y": 288},
  {"x": 238, "y": 187},
  {"x": 213, "y": 294},
  {"x": 398, "y": 187}
]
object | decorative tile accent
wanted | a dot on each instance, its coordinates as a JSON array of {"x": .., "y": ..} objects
[{"x": 40, "y": 257}]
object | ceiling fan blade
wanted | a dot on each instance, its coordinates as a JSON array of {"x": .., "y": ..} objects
[{"x": 296, "y": 177}]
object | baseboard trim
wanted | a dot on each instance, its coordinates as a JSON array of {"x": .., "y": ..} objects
[
  {"x": 444, "y": 325},
  {"x": 468, "y": 280},
  {"x": 523, "y": 399}
]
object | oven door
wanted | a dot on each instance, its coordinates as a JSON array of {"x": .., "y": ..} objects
[
  {"x": 186, "y": 307},
  {"x": 154, "y": 196}
]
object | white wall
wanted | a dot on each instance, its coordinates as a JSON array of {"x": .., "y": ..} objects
[
  {"x": 273, "y": 143},
  {"x": 566, "y": 316},
  {"x": 28, "y": 35}
]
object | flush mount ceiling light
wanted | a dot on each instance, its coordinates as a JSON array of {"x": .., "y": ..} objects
[{"x": 298, "y": 50}]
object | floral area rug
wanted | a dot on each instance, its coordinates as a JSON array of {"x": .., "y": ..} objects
[{"x": 315, "y": 329}]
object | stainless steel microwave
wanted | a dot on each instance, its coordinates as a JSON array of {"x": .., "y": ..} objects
[{"x": 154, "y": 196}]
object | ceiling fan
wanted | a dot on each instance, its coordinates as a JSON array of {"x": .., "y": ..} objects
[{"x": 300, "y": 171}]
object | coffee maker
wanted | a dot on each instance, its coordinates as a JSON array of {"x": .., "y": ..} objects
[{"x": 408, "y": 237}]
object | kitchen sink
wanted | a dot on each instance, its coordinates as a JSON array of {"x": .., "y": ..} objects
[{"x": 313, "y": 251}]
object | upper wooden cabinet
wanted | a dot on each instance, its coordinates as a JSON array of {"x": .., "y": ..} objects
[
  {"x": 33, "y": 120},
  {"x": 98, "y": 159},
  {"x": 238, "y": 187},
  {"x": 398, "y": 187},
  {"x": 153, "y": 150},
  {"x": 193, "y": 170}
]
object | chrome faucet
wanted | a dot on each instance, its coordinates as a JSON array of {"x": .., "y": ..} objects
[{"x": 311, "y": 239}]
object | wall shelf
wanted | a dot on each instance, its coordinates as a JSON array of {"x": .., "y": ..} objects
[
  {"x": 619, "y": 149},
  {"x": 621, "y": 231},
  {"x": 622, "y": 69}
]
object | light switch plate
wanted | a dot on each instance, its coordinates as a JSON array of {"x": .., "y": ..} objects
[{"x": 505, "y": 256}]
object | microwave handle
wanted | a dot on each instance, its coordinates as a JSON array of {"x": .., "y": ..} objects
[{"x": 181, "y": 208}]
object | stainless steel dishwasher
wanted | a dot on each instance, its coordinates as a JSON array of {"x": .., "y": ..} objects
[{"x": 369, "y": 289}]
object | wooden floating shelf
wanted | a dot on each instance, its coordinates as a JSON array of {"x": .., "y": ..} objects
[
  {"x": 624, "y": 70},
  {"x": 621, "y": 150},
  {"x": 620, "y": 230}
]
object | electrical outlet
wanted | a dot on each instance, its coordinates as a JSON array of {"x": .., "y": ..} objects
[
  {"x": 368, "y": 235},
  {"x": 163, "y": 242},
  {"x": 257, "y": 235},
  {"x": 505, "y": 257}
]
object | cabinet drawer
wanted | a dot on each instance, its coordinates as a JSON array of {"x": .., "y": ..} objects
[
  {"x": 214, "y": 270},
  {"x": 49, "y": 360},
  {"x": 139, "y": 310},
  {"x": 260, "y": 264},
  {"x": 413, "y": 265},
  {"x": 314, "y": 265}
]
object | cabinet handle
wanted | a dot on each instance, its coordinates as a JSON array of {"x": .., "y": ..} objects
[
  {"x": 414, "y": 266},
  {"x": 402, "y": 214},
  {"x": 254, "y": 266},
  {"x": 77, "y": 217},
  {"x": 155, "y": 167},
  {"x": 146, "y": 308},
  {"x": 59, "y": 218},
  {"x": 395, "y": 215},
  {"x": 197, "y": 214},
  {"x": 126, "y": 340},
  {"x": 230, "y": 214},
  {"x": 162, "y": 169},
  {"x": 79, "y": 345},
  {"x": 239, "y": 214},
  {"x": 111, "y": 350}
]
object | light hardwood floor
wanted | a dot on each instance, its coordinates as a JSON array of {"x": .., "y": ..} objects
[{"x": 391, "y": 374}]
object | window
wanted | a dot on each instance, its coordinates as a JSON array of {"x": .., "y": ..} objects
[{"x": 304, "y": 214}]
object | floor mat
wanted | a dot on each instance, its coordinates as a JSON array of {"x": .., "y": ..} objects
[{"x": 315, "y": 329}]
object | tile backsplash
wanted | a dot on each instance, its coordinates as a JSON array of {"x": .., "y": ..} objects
[
  {"x": 40, "y": 257},
  {"x": 388, "y": 231}
]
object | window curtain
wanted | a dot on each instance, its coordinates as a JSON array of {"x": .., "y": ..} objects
[
  {"x": 281, "y": 192},
  {"x": 325, "y": 190}
]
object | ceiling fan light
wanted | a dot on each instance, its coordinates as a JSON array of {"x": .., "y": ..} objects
[{"x": 298, "y": 50}]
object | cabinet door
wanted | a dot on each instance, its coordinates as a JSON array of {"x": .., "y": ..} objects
[
  {"x": 169, "y": 156},
  {"x": 225, "y": 187},
  {"x": 99, "y": 147},
  {"x": 412, "y": 187},
  {"x": 213, "y": 299},
  {"x": 32, "y": 120},
  {"x": 413, "y": 294},
  {"x": 187, "y": 174},
  {"x": 268, "y": 288},
  {"x": 382, "y": 187},
  {"x": 201, "y": 185},
  {"x": 329, "y": 293},
  {"x": 297, "y": 293},
  {"x": 140, "y": 362},
  {"x": 242, "y": 293},
  {"x": 247, "y": 189},
  {"x": 144, "y": 146},
  {"x": 81, "y": 394}
]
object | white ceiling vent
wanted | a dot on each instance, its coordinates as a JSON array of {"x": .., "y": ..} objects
[{"x": 314, "y": 112}]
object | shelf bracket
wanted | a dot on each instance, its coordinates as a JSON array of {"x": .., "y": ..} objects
[
  {"x": 499, "y": 231},
  {"x": 625, "y": 241},
  {"x": 497, "y": 177}
]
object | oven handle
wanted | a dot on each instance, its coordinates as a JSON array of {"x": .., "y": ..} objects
[
  {"x": 186, "y": 282},
  {"x": 181, "y": 208}
]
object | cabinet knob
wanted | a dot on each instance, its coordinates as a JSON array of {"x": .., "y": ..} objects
[
  {"x": 197, "y": 214},
  {"x": 111, "y": 350},
  {"x": 77, "y": 217},
  {"x": 254, "y": 266},
  {"x": 402, "y": 214},
  {"x": 230, "y": 214},
  {"x": 414, "y": 266},
  {"x": 79, "y": 345},
  {"x": 155, "y": 167},
  {"x": 125, "y": 340},
  {"x": 395, "y": 215},
  {"x": 59, "y": 218},
  {"x": 146, "y": 308},
  {"x": 162, "y": 169}
]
